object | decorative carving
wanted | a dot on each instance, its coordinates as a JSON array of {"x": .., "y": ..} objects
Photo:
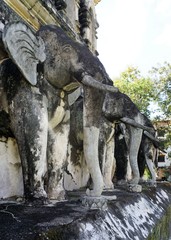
[
  {"x": 59, "y": 4},
  {"x": 119, "y": 106},
  {"x": 84, "y": 19},
  {"x": 41, "y": 123}
]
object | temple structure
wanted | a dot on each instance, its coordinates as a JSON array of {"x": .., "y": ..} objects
[
  {"x": 78, "y": 19},
  {"x": 46, "y": 111}
]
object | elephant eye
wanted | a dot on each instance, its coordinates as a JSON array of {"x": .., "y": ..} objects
[{"x": 67, "y": 49}]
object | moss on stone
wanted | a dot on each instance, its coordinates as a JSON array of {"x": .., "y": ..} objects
[
  {"x": 5, "y": 130},
  {"x": 162, "y": 229}
]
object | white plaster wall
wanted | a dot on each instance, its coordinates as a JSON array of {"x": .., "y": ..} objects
[
  {"x": 76, "y": 176},
  {"x": 11, "y": 181}
]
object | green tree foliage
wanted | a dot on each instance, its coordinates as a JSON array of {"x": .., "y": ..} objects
[
  {"x": 154, "y": 90},
  {"x": 140, "y": 89},
  {"x": 161, "y": 76},
  {"x": 164, "y": 133}
]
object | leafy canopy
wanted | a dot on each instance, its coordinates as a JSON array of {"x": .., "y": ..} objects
[
  {"x": 161, "y": 76},
  {"x": 140, "y": 89},
  {"x": 151, "y": 94}
]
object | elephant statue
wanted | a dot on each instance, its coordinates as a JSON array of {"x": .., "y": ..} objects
[
  {"x": 118, "y": 106},
  {"x": 147, "y": 154},
  {"x": 105, "y": 147},
  {"x": 42, "y": 68}
]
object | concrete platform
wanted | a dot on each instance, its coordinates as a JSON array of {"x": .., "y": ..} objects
[{"x": 127, "y": 216}]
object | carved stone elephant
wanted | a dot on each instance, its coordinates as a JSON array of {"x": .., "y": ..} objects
[
  {"x": 51, "y": 65},
  {"x": 119, "y": 106},
  {"x": 39, "y": 120},
  {"x": 105, "y": 147},
  {"x": 146, "y": 155}
]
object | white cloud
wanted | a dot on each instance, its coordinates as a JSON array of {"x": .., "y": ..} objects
[
  {"x": 121, "y": 33},
  {"x": 134, "y": 32},
  {"x": 163, "y": 7},
  {"x": 165, "y": 37}
]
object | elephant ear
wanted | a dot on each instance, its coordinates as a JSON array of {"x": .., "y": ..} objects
[{"x": 25, "y": 48}]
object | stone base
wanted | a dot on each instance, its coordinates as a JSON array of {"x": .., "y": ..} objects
[
  {"x": 94, "y": 202},
  {"x": 151, "y": 183},
  {"x": 97, "y": 202},
  {"x": 71, "y": 220},
  {"x": 134, "y": 188},
  {"x": 122, "y": 182}
]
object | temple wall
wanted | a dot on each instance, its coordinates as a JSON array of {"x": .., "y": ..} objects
[
  {"x": 11, "y": 180},
  {"x": 78, "y": 19},
  {"x": 128, "y": 217}
]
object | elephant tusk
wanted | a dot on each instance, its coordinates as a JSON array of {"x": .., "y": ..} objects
[
  {"x": 151, "y": 137},
  {"x": 135, "y": 124},
  {"x": 91, "y": 82}
]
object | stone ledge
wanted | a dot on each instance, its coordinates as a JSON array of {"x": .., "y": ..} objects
[
  {"x": 97, "y": 202},
  {"x": 130, "y": 216}
]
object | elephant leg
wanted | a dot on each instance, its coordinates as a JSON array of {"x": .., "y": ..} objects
[
  {"x": 149, "y": 152},
  {"x": 91, "y": 138},
  {"x": 134, "y": 144},
  {"x": 106, "y": 152},
  {"x": 128, "y": 171},
  {"x": 102, "y": 152},
  {"x": 110, "y": 165},
  {"x": 29, "y": 122},
  {"x": 57, "y": 158},
  {"x": 92, "y": 110},
  {"x": 151, "y": 167}
]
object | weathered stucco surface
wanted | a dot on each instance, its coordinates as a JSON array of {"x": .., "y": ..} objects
[
  {"x": 131, "y": 216},
  {"x": 11, "y": 180}
]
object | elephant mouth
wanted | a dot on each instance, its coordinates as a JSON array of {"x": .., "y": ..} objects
[
  {"x": 109, "y": 116},
  {"x": 71, "y": 86}
]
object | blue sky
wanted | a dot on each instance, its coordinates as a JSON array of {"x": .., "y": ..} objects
[{"x": 133, "y": 32}]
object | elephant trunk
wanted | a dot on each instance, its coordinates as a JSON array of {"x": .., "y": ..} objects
[
  {"x": 151, "y": 137},
  {"x": 91, "y": 82},
  {"x": 135, "y": 124}
]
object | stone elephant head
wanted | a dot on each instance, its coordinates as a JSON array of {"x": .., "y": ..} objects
[
  {"x": 65, "y": 61},
  {"x": 119, "y": 106},
  {"x": 50, "y": 56}
]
